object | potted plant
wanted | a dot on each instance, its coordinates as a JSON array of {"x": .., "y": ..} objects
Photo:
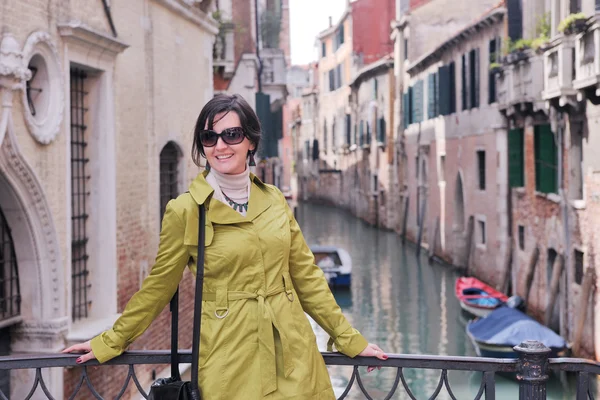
[
  {"x": 574, "y": 23},
  {"x": 495, "y": 68}
]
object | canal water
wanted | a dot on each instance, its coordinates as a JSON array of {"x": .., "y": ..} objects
[{"x": 404, "y": 305}]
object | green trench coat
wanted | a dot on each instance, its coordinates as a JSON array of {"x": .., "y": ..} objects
[{"x": 261, "y": 276}]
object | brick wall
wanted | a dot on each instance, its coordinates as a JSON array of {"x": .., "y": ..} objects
[
  {"x": 371, "y": 28},
  {"x": 161, "y": 81}
]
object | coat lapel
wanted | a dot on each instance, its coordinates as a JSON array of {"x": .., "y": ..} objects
[
  {"x": 221, "y": 213},
  {"x": 260, "y": 200}
]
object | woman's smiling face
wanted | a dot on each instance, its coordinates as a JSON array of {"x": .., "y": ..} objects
[{"x": 227, "y": 158}]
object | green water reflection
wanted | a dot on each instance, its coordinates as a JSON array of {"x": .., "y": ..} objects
[{"x": 403, "y": 304}]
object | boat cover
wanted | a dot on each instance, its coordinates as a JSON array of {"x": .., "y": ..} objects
[{"x": 506, "y": 326}]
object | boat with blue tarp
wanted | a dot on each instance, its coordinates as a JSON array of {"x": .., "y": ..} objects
[
  {"x": 504, "y": 328},
  {"x": 336, "y": 264}
]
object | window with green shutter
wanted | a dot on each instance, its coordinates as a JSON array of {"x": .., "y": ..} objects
[
  {"x": 516, "y": 158},
  {"x": 430, "y": 96},
  {"x": 452, "y": 73},
  {"x": 361, "y": 135},
  {"x": 418, "y": 102},
  {"x": 464, "y": 76},
  {"x": 546, "y": 160},
  {"x": 348, "y": 129},
  {"x": 474, "y": 78},
  {"x": 405, "y": 110},
  {"x": 444, "y": 90},
  {"x": 381, "y": 130}
]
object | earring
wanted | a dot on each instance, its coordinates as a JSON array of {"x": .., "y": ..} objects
[
  {"x": 251, "y": 162},
  {"x": 207, "y": 166}
]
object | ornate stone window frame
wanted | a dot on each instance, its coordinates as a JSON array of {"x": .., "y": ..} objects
[
  {"x": 97, "y": 53},
  {"x": 44, "y": 126}
]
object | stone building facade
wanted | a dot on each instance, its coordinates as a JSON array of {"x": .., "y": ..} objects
[
  {"x": 455, "y": 152},
  {"x": 98, "y": 108}
]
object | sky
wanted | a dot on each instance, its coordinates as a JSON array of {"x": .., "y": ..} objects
[{"x": 307, "y": 19}]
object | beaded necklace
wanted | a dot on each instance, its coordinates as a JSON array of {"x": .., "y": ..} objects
[{"x": 235, "y": 205}]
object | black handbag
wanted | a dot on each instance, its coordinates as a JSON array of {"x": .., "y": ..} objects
[{"x": 173, "y": 388}]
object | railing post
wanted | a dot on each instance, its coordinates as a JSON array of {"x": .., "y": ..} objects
[{"x": 533, "y": 363}]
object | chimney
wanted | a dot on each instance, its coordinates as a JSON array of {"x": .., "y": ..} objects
[{"x": 330, "y": 21}]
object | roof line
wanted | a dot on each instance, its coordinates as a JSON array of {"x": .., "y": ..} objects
[{"x": 497, "y": 12}]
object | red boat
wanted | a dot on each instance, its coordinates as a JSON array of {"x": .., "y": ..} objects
[{"x": 478, "y": 298}]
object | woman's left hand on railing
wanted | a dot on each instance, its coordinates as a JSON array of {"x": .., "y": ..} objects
[
  {"x": 372, "y": 350},
  {"x": 84, "y": 347}
]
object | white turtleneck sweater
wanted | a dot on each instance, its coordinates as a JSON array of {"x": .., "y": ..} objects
[{"x": 236, "y": 187}]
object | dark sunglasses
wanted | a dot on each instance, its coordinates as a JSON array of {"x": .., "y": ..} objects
[{"x": 209, "y": 138}]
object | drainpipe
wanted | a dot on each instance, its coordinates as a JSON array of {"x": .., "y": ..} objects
[
  {"x": 260, "y": 65},
  {"x": 109, "y": 17},
  {"x": 565, "y": 217}
]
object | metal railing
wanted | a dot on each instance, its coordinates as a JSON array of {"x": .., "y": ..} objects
[{"x": 530, "y": 369}]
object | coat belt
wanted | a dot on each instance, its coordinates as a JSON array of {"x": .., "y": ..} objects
[{"x": 266, "y": 322}]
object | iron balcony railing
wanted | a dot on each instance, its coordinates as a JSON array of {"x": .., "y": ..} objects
[{"x": 531, "y": 370}]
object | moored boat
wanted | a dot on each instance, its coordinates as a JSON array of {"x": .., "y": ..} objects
[
  {"x": 476, "y": 297},
  {"x": 336, "y": 264},
  {"x": 504, "y": 328}
]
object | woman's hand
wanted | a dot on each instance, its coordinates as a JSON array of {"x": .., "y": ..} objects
[
  {"x": 372, "y": 350},
  {"x": 84, "y": 347}
]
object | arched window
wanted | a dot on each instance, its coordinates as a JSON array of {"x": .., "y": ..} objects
[
  {"x": 10, "y": 295},
  {"x": 169, "y": 175}
]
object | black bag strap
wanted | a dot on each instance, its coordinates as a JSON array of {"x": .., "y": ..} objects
[
  {"x": 197, "y": 313},
  {"x": 195, "y": 392},
  {"x": 174, "y": 308}
]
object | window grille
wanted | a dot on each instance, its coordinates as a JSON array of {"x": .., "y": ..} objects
[
  {"x": 10, "y": 296},
  {"x": 169, "y": 159},
  {"x": 79, "y": 197},
  {"x": 481, "y": 168}
]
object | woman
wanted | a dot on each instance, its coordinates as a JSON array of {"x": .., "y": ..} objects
[{"x": 260, "y": 276}]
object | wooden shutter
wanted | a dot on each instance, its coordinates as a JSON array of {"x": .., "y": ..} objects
[
  {"x": 546, "y": 160},
  {"x": 464, "y": 74},
  {"x": 381, "y": 130},
  {"x": 444, "y": 90},
  {"x": 516, "y": 158},
  {"x": 514, "y": 10},
  {"x": 348, "y": 129},
  {"x": 452, "y": 76},
  {"x": 492, "y": 77},
  {"x": 474, "y": 78},
  {"x": 430, "y": 96},
  {"x": 405, "y": 110},
  {"x": 418, "y": 102},
  {"x": 436, "y": 95},
  {"x": 411, "y": 109},
  {"x": 361, "y": 135}
]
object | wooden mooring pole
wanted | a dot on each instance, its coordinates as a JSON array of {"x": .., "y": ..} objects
[
  {"x": 405, "y": 221},
  {"x": 505, "y": 288},
  {"x": 557, "y": 268},
  {"x": 434, "y": 242},
  {"x": 422, "y": 208},
  {"x": 586, "y": 289},
  {"x": 530, "y": 272},
  {"x": 469, "y": 244}
]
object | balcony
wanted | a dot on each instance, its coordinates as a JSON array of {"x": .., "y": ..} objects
[
  {"x": 223, "y": 50},
  {"x": 559, "y": 70},
  {"x": 274, "y": 72},
  {"x": 587, "y": 63},
  {"x": 520, "y": 85}
]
